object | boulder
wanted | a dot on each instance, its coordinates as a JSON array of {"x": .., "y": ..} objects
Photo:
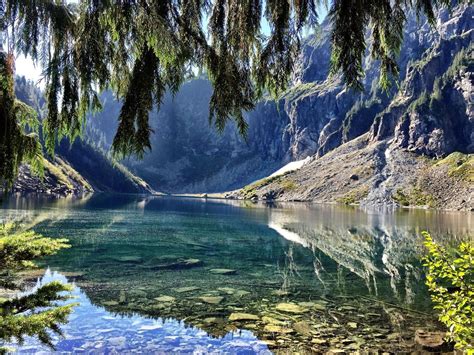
[
  {"x": 432, "y": 341},
  {"x": 212, "y": 299},
  {"x": 166, "y": 299},
  {"x": 242, "y": 316},
  {"x": 291, "y": 308},
  {"x": 223, "y": 271}
]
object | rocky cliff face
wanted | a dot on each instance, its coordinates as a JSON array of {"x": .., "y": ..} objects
[
  {"x": 322, "y": 114},
  {"x": 389, "y": 148},
  {"x": 428, "y": 111},
  {"x": 60, "y": 179},
  {"x": 432, "y": 114}
]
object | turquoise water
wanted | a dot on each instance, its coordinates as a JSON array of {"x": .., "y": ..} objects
[{"x": 167, "y": 275}]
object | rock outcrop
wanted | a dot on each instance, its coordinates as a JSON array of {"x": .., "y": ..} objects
[
  {"x": 59, "y": 180},
  {"x": 412, "y": 146},
  {"x": 428, "y": 112}
]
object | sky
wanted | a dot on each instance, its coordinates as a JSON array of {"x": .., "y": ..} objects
[{"x": 25, "y": 67}]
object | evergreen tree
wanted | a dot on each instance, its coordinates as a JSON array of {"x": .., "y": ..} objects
[
  {"x": 142, "y": 48},
  {"x": 35, "y": 313},
  {"x": 19, "y": 126}
]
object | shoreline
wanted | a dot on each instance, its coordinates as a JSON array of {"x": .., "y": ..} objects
[{"x": 223, "y": 196}]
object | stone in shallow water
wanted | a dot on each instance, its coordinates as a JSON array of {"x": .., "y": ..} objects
[
  {"x": 302, "y": 327},
  {"x": 270, "y": 320},
  {"x": 432, "y": 341},
  {"x": 117, "y": 341},
  {"x": 272, "y": 328},
  {"x": 228, "y": 290},
  {"x": 353, "y": 346},
  {"x": 110, "y": 303},
  {"x": 269, "y": 342},
  {"x": 129, "y": 259},
  {"x": 178, "y": 264},
  {"x": 280, "y": 293},
  {"x": 242, "y": 316},
  {"x": 186, "y": 289},
  {"x": 394, "y": 336},
  {"x": 316, "y": 306},
  {"x": 319, "y": 341},
  {"x": 212, "y": 299},
  {"x": 138, "y": 293},
  {"x": 210, "y": 320},
  {"x": 291, "y": 308},
  {"x": 374, "y": 315},
  {"x": 72, "y": 274},
  {"x": 241, "y": 293},
  {"x": 352, "y": 325},
  {"x": 223, "y": 271},
  {"x": 165, "y": 299},
  {"x": 347, "y": 308}
]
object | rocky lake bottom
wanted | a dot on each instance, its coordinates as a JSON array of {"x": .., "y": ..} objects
[{"x": 193, "y": 276}]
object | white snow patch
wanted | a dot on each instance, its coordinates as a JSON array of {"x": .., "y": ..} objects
[{"x": 293, "y": 166}]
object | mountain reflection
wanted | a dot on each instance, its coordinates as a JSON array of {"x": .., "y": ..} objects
[{"x": 372, "y": 246}]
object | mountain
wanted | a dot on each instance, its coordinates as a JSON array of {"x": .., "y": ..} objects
[
  {"x": 426, "y": 113},
  {"x": 412, "y": 146},
  {"x": 409, "y": 145},
  {"x": 188, "y": 155},
  {"x": 76, "y": 168}
]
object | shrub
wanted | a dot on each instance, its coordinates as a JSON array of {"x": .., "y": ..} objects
[{"x": 450, "y": 280}]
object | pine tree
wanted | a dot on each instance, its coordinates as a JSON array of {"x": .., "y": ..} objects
[
  {"x": 36, "y": 313},
  {"x": 141, "y": 49}
]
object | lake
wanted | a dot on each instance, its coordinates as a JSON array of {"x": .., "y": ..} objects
[{"x": 159, "y": 274}]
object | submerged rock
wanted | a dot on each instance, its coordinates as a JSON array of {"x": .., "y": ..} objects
[
  {"x": 347, "y": 308},
  {"x": 303, "y": 327},
  {"x": 227, "y": 290},
  {"x": 269, "y": 342},
  {"x": 212, "y": 320},
  {"x": 110, "y": 303},
  {"x": 432, "y": 341},
  {"x": 223, "y": 271},
  {"x": 352, "y": 325},
  {"x": 319, "y": 341},
  {"x": 272, "y": 328},
  {"x": 270, "y": 320},
  {"x": 212, "y": 299},
  {"x": 316, "y": 306},
  {"x": 129, "y": 259},
  {"x": 186, "y": 289},
  {"x": 243, "y": 316},
  {"x": 280, "y": 293},
  {"x": 241, "y": 293},
  {"x": 166, "y": 299},
  {"x": 291, "y": 308},
  {"x": 178, "y": 264}
]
